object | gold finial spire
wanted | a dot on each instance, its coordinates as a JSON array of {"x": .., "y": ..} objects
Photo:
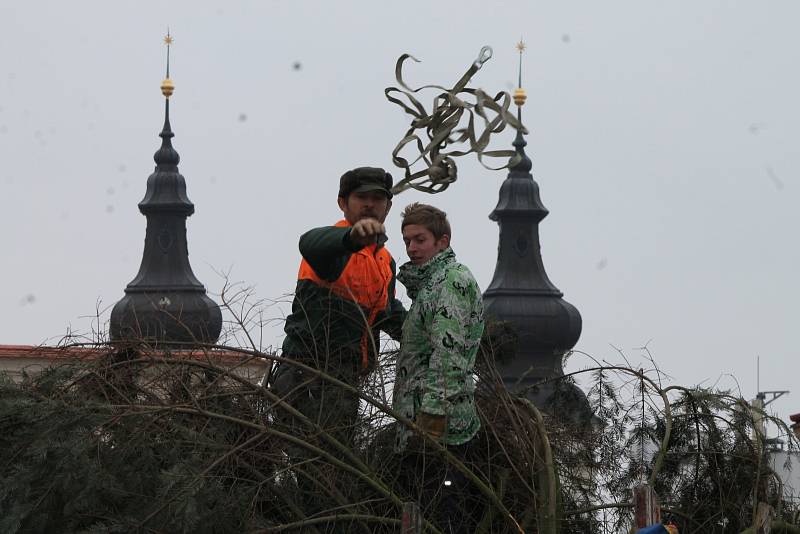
[
  {"x": 519, "y": 92},
  {"x": 167, "y": 87}
]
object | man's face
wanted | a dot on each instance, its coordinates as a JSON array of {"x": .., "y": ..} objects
[
  {"x": 366, "y": 205},
  {"x": 421, "y": 245}
]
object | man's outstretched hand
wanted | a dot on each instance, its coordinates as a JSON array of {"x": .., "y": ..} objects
[{"x": 366, "y": 231}]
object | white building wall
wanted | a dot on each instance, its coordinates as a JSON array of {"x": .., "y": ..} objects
[{"x": 787, "y": 465}]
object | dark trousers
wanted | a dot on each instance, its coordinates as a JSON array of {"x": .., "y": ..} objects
[
  {"x": 446, "y": 496},
  {"x": 334, "y": 410}
]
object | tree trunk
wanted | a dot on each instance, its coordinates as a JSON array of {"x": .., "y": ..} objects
[
  {"x": 646, "y": 510},
  {"x": 412, "y": 519},
  {"x": 763, "y": 520}
]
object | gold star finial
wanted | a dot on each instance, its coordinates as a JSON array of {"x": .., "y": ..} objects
[
  {"x": 519, "y": 92},
  {"x": 167, "y": 87}
]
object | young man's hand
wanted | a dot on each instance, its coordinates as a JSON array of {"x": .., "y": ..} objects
[
  {"x": 433, "y": 425},
  {"x": 366, "y": 231}
]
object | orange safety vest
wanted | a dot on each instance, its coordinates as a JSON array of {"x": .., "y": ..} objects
[{"x": 364, "y": 280}]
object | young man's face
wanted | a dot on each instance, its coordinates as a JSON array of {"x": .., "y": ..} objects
[
  {"x": 421, "y": 245},
  {"x": 366, "y": 205}
]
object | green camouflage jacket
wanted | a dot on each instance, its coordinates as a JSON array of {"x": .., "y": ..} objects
[{"x": 440, "y": 339}]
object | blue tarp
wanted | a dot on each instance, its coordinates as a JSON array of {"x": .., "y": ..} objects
[{"x": 653, "y": 529}]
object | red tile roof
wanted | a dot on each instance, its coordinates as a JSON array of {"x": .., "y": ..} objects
[{"x": 73, "y": 353}]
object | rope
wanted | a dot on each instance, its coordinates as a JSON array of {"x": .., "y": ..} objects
[{"x": 434, "y": 133}]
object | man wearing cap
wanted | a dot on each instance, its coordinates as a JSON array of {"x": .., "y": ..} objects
[{"x": 345, "y": 295}]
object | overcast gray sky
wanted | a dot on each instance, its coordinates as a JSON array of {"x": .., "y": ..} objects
[{"x": 664, "y": 137}]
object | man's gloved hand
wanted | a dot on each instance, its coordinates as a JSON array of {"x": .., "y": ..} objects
[
  {"x": 366, "y": 232},
  {"x": 433, "y": 425}
]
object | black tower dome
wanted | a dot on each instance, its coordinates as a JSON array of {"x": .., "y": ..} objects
[
  {"x": 165, "y": 304},
  {"x": 521, "y": 294}
]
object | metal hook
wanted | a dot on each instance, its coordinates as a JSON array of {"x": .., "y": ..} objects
[{"x": 483, "y": 56}]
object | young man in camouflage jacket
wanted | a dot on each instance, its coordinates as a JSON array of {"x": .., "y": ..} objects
[{"x": 434, "y": 386}]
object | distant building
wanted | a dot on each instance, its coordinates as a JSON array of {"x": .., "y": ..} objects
[
  {"x": 786, "y": 463},
  {"x": 19, "y": 360}
]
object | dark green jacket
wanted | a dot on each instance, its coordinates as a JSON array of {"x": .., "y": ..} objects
[{"x": 324, "y": 329}]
